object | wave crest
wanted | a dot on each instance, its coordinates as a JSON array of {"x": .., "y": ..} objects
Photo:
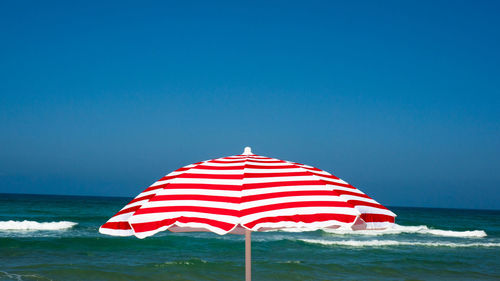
[
  {"x": 381, "y": 243},
  {"x": 34, "y": 225},
  {"x": 419, "y": 229}
]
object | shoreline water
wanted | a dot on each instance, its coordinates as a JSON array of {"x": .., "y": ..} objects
[{"x": 428, "y": 244}]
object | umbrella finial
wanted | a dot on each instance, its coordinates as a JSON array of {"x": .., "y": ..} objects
[{"x": 247, "y": 151}]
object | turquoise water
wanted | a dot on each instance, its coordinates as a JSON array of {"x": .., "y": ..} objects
[{"x": 430, "y": 244}]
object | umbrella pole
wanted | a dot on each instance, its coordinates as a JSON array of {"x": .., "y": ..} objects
[{"x": 248, "y": 255}]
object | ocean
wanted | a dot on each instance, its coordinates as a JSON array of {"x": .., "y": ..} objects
[{"x": 45, "y": 237}]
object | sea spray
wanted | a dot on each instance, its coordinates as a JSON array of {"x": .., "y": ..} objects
[
  {"x": 382, "y": 243},
  {"x": 419, "y": 229},
  {"x": 34, "y": 225}
]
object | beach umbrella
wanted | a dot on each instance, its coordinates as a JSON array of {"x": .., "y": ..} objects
[{"x": 244, "y": 193}]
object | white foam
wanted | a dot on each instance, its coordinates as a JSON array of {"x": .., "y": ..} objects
[
  {"x": 381, "y": 243},
  {"x": 419, "y": 229},
  {"x": 34, "y": 225},
  {"x": 19, "y": 277}
]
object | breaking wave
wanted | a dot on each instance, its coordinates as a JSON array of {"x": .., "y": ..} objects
[
  {"x": 19, "y": 277},
  {"x": 420, "y": 229},
  {"x": 34, "y": 225},
  {"x": 381, "y": 243}
]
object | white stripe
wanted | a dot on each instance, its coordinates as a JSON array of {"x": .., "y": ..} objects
[
  {"x": 372, "y": 210},
  {"x": 146, "y": 193},
  {"x": 245, "y": 192},
  {"x": 215, "y": 172},
  {"x": 240, "y": 164},
  {"x": 266, "y": 202},
  {"x": 116, "y": 232},
  {"x": 210, "y": 192},
  {"x": 139, "y": 196},
  {"x": 206, "y": 181},
  {"x": 278, "y": 179},
  {"x": 320, "y": 172},
  {"x": 121, "y": 217},
  {"x": 330, "y": 179},
  {"x": 264, "y": 159},
  {"x": 266, "y": 190},
  {"x": 170, "y": 215},
  {"x": 300, "y": 211},
  {"x": 300, "y": 226},
  {"x": 201, "y": 225},
  {"x": 197, "y": 203},
  {"x": 176, "y": 173},
  {"x": 250, "y": 192},
  {"x": 265, "y": 164},
  {"x": 337, "y": 187},
  {"x": 263, "y": 171},
  {"x": 160, "y": 182},
  {"x": 350, "y": 197},
  {"x": 233, "y": 160},
  {"x": 379, "y": 225},
  {"x": 145, "y": 234},
  {"x": 132, "y": 204}
]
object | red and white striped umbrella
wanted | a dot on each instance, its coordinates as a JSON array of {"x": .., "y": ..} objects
[{"x": 247, "y": 192}]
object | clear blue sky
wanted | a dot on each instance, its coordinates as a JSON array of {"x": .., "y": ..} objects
[{"x": 399, "y": 98}]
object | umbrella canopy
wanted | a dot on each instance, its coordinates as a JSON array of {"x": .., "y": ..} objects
[{"x": 247, "y": 192}]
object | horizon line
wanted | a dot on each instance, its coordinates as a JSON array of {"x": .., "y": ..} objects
[{"x": 131, "y": 197}]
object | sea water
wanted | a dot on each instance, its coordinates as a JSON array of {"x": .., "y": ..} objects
[{"x": 56, "y": 238}]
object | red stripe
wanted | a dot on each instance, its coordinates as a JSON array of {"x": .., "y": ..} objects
[
  {"x": 226, "y": 162},
  {"x": 236, "y": 200},
  {"x": 326, "y": 181},
  {"x": 304, "y": 218},
  {"x": 120, "y": 225},
  {"x": 235, "y": 213},
  {"x": 186, "y": 168},
  {"x": 207, "y": 167},
  {"x": 151, "y": 188},
  {"x": 255, "y": 160},
  {"x": 377, "y": 218},
  {"x": 167, "y": 178},
  {"x": 128, "y": 210},
  {"x": 288, "y": 205},
  {"x": 282, "y": 183},
  {"x": 345, "y": 192},
  {"x": 225, "y": 199},
  {"x": 310, "y": 168},
  {"x": 363, "y": 203},
  {"x": 271, "y": 175},
  {"x": 250, "y": 166},
  {"x": 149, "y": 226},
  {"x": 287, "y": 194},
  {"x": 141, "y": 198},
  {"x": 204, "y": 186},
  {"x": 326, "y": 176},
  {"x": 198, "y": 209},
  {"x": 210, "y": 176}
]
